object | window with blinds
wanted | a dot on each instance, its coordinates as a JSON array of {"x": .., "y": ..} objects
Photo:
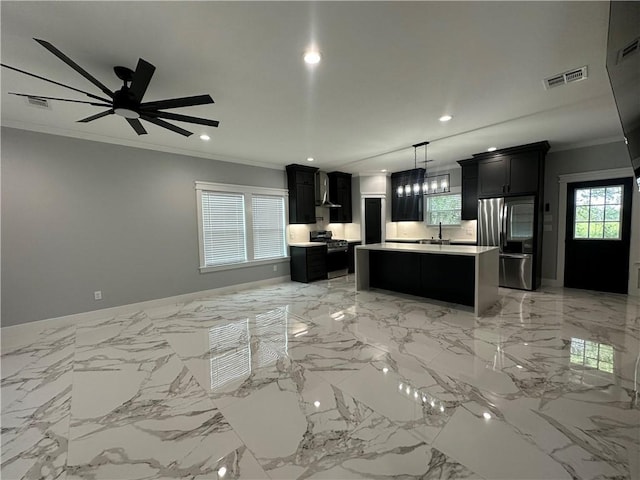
[
  {"x": 268, "y": 227},
  {"x": 240, "y": 226},
  {"x": 223, "y": 225}
]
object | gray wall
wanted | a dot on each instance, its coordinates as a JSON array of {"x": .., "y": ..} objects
[
  {"x": 80, "y": 216},
  {"x": 587, "y": 159}
]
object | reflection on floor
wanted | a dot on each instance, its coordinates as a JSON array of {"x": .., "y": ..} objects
[{"x": 318, "y": 381}]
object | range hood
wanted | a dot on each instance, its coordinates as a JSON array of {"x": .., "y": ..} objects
[{"x": 322, "y": 191}]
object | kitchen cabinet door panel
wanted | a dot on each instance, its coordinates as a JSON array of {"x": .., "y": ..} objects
[
  {"x": 493, "y": 176},
  {"x": 302, "y": 202},
  {"x": 469, "y": 190},
  {"x": 340, "y": 193},
  {"x": 524, "y": 170},
  {"x": 396, "y": 271}
]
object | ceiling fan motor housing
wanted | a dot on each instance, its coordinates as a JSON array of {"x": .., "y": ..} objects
[{"x": 125, "y": 105}]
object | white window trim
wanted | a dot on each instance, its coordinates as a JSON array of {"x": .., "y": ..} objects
[
  {"x": 452, "y": 191},
  {"x": 248, "y": 192}
]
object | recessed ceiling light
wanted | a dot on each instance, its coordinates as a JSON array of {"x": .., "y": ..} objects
[
  {"x": 487, "y": 415},
  {"x": 222, "y": 471},
  {"x": 205, "y": 137},
  {"x": 312, "y": 57},
  {"x": 491, "y": 149},
  {"x": 310, "y": 159},
  {"x": 384, "y": 170},
  {"x": 445, "y": 118}
]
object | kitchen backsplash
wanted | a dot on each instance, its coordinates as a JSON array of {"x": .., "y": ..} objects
[
  {"x": 300, "y": 233},
  {"x": 465, "y": 231}
]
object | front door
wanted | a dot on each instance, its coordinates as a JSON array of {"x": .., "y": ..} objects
[
  {"x": 598, "y": 235},
  {"x": 372, "y": 220}
]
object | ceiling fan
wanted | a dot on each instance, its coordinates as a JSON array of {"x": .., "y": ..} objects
[{"x": 126, "y": 102}]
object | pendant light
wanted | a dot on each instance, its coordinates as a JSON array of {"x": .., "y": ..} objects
[{"x": 433, "y": 184}]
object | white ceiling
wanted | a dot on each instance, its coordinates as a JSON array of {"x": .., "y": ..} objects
[{"x": 389, "y": 71}]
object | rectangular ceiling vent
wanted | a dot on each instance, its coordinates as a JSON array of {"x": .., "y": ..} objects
[
  {"x": 566, "y": 77},
  {"x": 628, "y": 50},
  {"x": 38, "y": 102}
]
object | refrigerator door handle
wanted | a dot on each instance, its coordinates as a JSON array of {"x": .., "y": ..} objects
[{"x": 503, "y": 239}]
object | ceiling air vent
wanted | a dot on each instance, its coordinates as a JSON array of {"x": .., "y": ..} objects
[
  {"x": 38, "y": 102},
  {"x": 630, "y": 49},
  {"x": 566, "y": 77}
]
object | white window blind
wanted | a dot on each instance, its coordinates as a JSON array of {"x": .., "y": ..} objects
[
  {"x": 268, "y": 227},
  {"x": 223, "y": 228}
]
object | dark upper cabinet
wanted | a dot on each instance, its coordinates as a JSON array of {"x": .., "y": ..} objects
[
  {"x": 340, "y": 193},
  {"x": 302, "y": 192},
  {"x": 511, "y": 171},
  {"x": 493, "y": 176},
  {"x": 407, "y": 207},
  {"x": 469, "y": 189},
  {"x": 525, "y": 172}
]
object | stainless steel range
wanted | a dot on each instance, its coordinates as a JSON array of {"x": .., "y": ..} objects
[{"x": 337, "y": 259}]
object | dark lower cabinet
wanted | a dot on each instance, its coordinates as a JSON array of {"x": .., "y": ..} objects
[
  {"x": 351, "y": 255},
  {"x": 449, "y": 278},
  {"x": 308, "y": 263}
]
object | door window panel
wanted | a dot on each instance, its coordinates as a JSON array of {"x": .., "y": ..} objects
[{"x": 598, "y": 213}]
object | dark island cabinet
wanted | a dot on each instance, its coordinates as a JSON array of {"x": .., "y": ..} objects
[
  {"x": 511, "y": 171},
  {"x": 449, "y": 278},
  {"x": 308, "y": 263},
  {"x": 469, "y": 189},
  {"x": 405, "y": 205},
  {"x": 340, "y": 193},
  {"x": 302, "y": 201}
]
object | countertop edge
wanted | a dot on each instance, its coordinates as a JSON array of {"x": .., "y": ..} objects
[{"x": 469, "y": 250}]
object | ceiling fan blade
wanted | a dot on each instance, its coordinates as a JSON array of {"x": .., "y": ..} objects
[
  {"x": 55, "y": 83},
  {"x": 74, "y": 65},
  {"x": 60, "y": 99},
  {"x": 137, "y": 126},
  {"x": 97, "y": 116},
  {"x": 177, "y": 102},
  {"x": 141, "y": 78},
  {"x": 167, "y": 125},
  {"x": 183, "y": 118}
]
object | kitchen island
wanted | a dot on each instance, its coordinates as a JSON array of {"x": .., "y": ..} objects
[{"x": 461, "y": 274}]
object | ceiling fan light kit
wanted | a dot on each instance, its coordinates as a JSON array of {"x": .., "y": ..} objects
[{"x": 127, "y": 101}]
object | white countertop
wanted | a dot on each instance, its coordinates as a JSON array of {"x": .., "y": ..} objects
[
  {"x": 456, "y": 240},
  {"x": 306, "y": 244},
  {"x": 317, "y": 244},
  {"x": 420, "y": 248}
]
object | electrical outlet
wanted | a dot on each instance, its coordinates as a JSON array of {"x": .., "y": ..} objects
[
  {"x": 275, "y": 268},
  {"x": 97, "y": 295}
]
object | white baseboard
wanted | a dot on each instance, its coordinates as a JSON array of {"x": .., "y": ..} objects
[{"x": 135, "y": 307}]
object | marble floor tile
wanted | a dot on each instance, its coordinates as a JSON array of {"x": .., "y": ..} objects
[
  {"x": 317, "y": 380},
  {"x": 36, "y": 398},
  {"x": 158, "y": 422}
]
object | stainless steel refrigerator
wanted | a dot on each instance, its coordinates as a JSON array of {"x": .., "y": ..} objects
[{"x": 509, "y": 223}]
